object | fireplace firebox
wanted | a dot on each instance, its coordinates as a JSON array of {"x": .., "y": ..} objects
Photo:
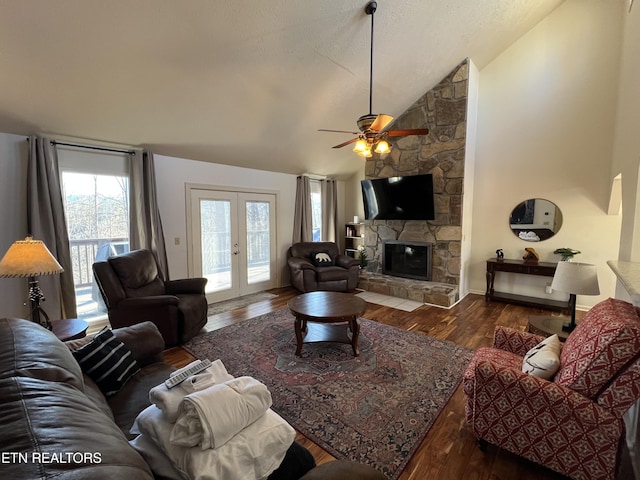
[{"x": 407, "y": 259}]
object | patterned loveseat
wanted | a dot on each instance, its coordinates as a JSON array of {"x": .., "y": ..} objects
[{"x": 573, "y": 422}]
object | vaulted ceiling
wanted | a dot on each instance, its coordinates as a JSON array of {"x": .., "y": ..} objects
[{"x": 239, "y": 82}]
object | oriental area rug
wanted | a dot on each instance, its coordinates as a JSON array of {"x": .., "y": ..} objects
[{"x": 373, "y": 409}]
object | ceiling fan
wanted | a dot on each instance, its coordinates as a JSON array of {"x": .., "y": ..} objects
[{"x": 372, "y": 136}]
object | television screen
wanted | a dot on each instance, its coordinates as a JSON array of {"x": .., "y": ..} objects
[{"x": 399, "y": 198}]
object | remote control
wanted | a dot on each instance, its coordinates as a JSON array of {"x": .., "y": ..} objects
[{"x": 182, "y": 376}]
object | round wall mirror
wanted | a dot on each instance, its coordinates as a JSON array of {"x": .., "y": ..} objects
[{"x": 535, "y": 220}]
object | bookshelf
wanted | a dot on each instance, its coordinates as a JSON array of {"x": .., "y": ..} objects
[{"x": 354, "y": 238}]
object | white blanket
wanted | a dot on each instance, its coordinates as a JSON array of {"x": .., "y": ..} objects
[
  {"x": 160, "y": 464},
  {"x": 253, "y": 454},
  {"x": 168, "y": 399},
  {"x": 211, "y": 417}
]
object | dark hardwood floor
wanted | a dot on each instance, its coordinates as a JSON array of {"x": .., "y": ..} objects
[{"x": 449, "y": 451}]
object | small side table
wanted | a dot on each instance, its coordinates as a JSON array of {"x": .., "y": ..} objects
[
  {"x": 69, "y": 329},
  {"x": 547, "y": 325}
]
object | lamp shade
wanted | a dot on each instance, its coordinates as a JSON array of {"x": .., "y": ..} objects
[
  {"x": 576, "y": 278},
  {"x": 382, "y": 147},
  {"x": 28, "y": 258},
  {"x": 360, "y": 146}
]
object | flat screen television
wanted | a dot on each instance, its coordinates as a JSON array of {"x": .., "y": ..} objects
[{"x": 399, "y": 198}]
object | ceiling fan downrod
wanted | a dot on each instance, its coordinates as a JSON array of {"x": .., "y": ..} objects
[
  {"x": 370, "y": 9},
  {"x": 365, "y": 121}
]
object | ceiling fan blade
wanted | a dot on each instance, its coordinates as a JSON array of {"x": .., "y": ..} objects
[
  {"x": 353, "y": 140},
  {"x": 337, "y": 131},
  {"x": 404, "y": 133},
  {"x": 380, "y": 122}
]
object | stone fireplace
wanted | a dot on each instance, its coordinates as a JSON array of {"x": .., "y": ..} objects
[
  {"x": 407, "y": 259},
  {"x": 442, "y": 153},
  {"x": 443, "y": 110}
]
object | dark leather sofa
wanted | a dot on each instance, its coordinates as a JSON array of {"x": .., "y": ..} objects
[
  {"x": 133, "y": 292},
  {"x": 56, "y": 423},
  {"x": 342, "y": 276},
  {"x": 57, "y": 419}
]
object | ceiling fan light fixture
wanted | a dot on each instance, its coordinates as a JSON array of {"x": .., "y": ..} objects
[
  {"x": 360, "y": 146},
  {"x": 366, "y": 153},
  {"x": 382, "y": 147}
]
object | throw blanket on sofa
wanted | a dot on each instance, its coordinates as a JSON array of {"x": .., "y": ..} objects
[
  {"x": 168, "y": 399},
  {"x": 253, "y": 454},
  {"x": 211, "y": 417}
]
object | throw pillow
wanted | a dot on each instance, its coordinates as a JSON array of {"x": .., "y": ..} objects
[
  {"x": 543, "y": 360},
  {"x": 322, "y": 259},
  {"x": 107, "y": 361}
]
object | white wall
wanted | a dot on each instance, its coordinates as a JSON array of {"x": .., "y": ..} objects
[
  {"x": 469, "y": 178},
  {"x": 353, "y": 195},
  {"x": 626, "y": 154},
  {"x": 172, "y": 174},
  {"x": 545, "y": 129},
  {"x": 626, "y": 160},
  {"x": 13, "y": 218}
]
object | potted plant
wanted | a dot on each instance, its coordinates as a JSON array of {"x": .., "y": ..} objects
[
  {"x": 363, "y": 257},
  {"x": 566, "y": 254}
]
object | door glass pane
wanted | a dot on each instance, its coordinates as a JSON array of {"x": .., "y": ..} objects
[
  {"x": 97, "y": 212},
  {"x": 215, "y": 228},
  {"x": 258, "y": 246}
]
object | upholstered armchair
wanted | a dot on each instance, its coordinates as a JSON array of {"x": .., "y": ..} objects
[
  {"x": 311, "y": 270},
  {"x": 573, "y": 422},
  {"x": 133, "y": 293}
]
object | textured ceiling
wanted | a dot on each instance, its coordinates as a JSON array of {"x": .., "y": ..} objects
[{"x": 240, "y": 82}]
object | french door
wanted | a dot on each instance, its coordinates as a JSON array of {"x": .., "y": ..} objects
[{"x": 233, "y": 241}]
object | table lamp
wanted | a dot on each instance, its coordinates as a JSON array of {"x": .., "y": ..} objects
[
  {"x": 31, "y": 258},
  {"x": 575, "y": 279}
]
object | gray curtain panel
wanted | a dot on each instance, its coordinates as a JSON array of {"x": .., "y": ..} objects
[
  {"x": 302, "y": 226},
  {"x": 46, "y": 221},
  {"x": 328, "y": 189},
  {"x": 145, "y": 226}
]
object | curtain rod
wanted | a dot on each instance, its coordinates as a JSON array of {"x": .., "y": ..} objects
[{"x": 92, "y": 147}]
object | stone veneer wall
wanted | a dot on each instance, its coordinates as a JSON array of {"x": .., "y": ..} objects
[{"x": 443, "y": 110}]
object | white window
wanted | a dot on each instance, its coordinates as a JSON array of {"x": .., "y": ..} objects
[
  {"x": 316, "y": 210},
  {"x": 95, "y": 191}
]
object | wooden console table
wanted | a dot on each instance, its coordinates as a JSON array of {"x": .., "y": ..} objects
[{"x": 544, "y": 269}]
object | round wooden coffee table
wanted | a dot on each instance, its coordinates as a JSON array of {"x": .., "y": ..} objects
[{"x": 327, "y": 317}]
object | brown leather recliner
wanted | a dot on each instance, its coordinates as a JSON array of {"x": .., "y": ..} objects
[
  {"x": 133, "y": 293},
  {"x": 342, "y": 276}
]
